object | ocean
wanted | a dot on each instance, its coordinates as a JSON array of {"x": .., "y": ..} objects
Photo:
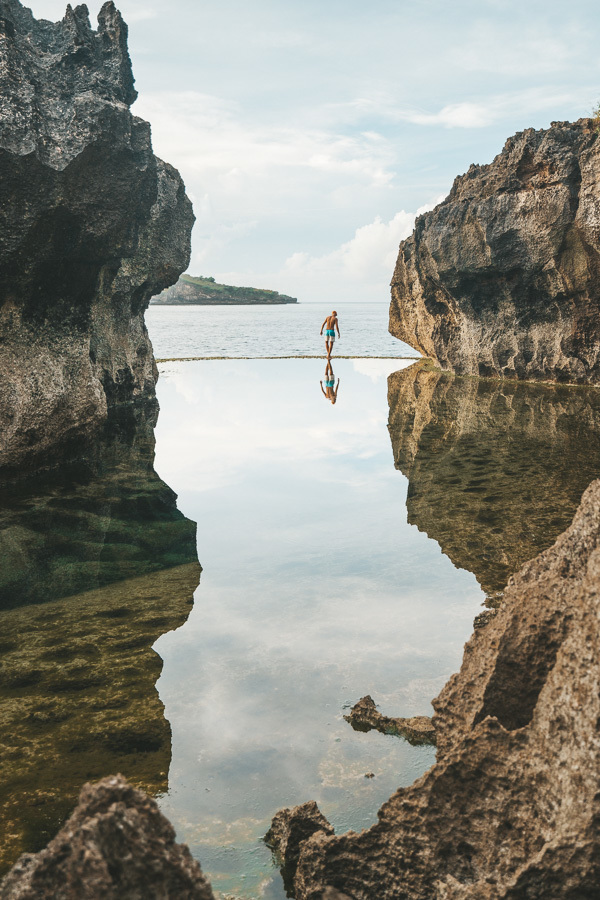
[{"x": 250, "y": 332}]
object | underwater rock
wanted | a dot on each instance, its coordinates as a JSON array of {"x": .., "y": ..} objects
[
  {"x": 503, "y": 277},
  {"x": 496, "y": 469},
  {"x": 96, "y": 563},
  {"x": 92, "y": 225},
  {"x": 510, "y": 810},
  {"x": 116, "y": 844},
  {"x": 364, "y": 716}
]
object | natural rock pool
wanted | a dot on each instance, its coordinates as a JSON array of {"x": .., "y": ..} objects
[{"x": 315, "y": 590}]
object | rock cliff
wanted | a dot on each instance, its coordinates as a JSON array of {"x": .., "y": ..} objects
[
  {"x": 503, "y": 277},
  {"x": 496, "y": 469},
  {"x": 510, "y": 810},
  {"x": 207, "y": 292},
  {"x": 92, "y": 224}
]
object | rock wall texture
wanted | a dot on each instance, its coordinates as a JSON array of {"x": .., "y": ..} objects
[
  {"x": 92, "y": 224},
  {"x": 96, "y": 562},
  {"x": 503, "y": 277},
  {"x": 511, "y": 809},
  {"x": 116, "y": 846},
  {"x": 496, "y": 469}
]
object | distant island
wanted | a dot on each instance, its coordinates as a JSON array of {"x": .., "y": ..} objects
[{"x": 207, "y": 292}]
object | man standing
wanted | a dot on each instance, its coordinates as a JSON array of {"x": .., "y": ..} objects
[{"x": 330, "y": 325}]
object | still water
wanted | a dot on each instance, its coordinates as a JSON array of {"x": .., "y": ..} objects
[
  {"x": 270, "y": 331},
  {"x": 346, "y": 549}
]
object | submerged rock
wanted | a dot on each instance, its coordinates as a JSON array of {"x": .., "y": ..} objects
[
  {"x": 511, "y": 808},
  {"x": 503, "y": 277},
  {"x": 92, "y": 225},
  {"x": 96, "y": 562},
  {"x": 496, "y": 469},
  {"x": 364, "y": 716},
  {"x": 116, "y": 844}
]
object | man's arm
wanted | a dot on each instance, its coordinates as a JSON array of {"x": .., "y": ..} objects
[
  {"x": 323, "y": 326},
  {"x": 337, "y": 326},
  {"x": 324, "y": 394}
]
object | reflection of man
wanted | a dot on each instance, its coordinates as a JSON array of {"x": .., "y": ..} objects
[
  {"x": 329, "y": 391},
  {"x": 330, "y": 324}
]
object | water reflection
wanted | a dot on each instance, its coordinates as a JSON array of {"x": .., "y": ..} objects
[
  {"x": 496, "y": 469},
  {"x": 328, "y": 387},
  {"x": 96, "y": 563}
]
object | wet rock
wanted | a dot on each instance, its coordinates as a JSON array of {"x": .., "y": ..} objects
[
  {"x": 116, "y": 844},
  {"x": 503, "y": 277},
  {"x": 510, "y": 810},
  {"x": 289, "y": 829},
  {"x": 92, "y": 224},
  {"x": 364, "y": 716},
  {"x": 496, "y": 469}
]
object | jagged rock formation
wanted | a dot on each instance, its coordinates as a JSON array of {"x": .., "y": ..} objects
[
  {"x": 289, "y": 829},
  {"x": 496, "y": 469},
  {"x": 364, "y": 716},
  {"x": 96, "y": 562},
  {"x": 510, "y": 810},
  {"x": 117, "y": 845},
  {"x": 207, "y": 292},
  {"x": 503, "y": 277},
  {"x": 92, "y": 224}
]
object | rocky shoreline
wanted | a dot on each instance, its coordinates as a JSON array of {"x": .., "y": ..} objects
[{"x": 503, "y": 277}]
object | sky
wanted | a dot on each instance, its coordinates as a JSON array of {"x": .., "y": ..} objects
[{"x": 309, "y": 133}]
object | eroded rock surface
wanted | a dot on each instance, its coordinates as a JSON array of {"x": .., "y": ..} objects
[
  {"x": 503, "y": 277},
  {"x": 92, "y": 225},
  {"x": 511, "y": 808},
  {"x": 364, "y": 716},
  {"x": 116, "y": 846},
  {"x": 289, "y": 829},
  {"x": 496, "y": 469}
]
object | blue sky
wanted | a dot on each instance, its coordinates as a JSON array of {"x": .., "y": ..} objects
[{"x": 310, "y": 133}]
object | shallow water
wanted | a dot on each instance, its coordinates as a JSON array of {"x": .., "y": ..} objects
[
  {"x": 315, "y": 590},
  {"x": 270, "y": 331}
]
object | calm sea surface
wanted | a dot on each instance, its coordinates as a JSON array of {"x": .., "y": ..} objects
[{"x": 255, "y": 331}]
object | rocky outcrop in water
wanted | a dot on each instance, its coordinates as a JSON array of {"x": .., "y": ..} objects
[
  {"x": 503, "y": 277},
  {"x": 96, "y": 563},
  {"x": 364, "y": 716},
  {"x": 496, "y": 470},
  {"x": 92, "y": 225},
  {"x": 117, "y": 845},
  {"x": 510, "y": 810}
]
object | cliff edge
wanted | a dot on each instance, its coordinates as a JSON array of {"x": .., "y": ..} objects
[
  {"x": 92, "y": 225},
  {"x": 503, "y": 277}
]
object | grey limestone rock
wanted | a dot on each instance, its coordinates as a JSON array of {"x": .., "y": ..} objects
[
  {"x": 503, "y": 277},
  {"x": 92, "y": 224}
]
